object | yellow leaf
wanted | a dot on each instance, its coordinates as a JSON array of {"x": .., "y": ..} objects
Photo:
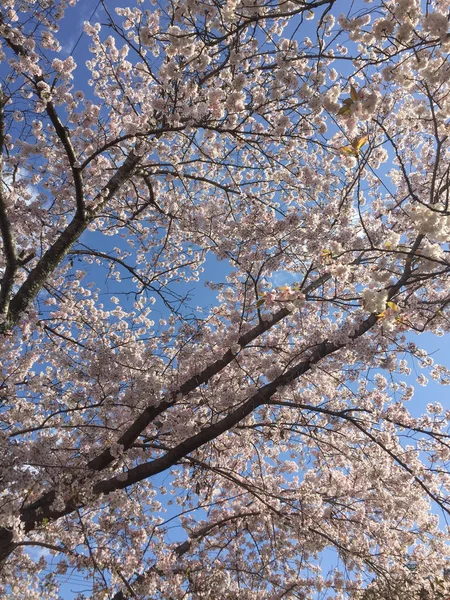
[
  {"x": 381, "y": 315},
  {"x": 346, "y": 107},
  {"x": 327, "y": 256},
  {"x": 344, "y": 110},
  {"x": 355, "y": 147},
  {"x": 260, "y": 302},
  {"x": 358, "y": 143},
  {"x": 353, "y": 93},
  {"x": 393, "y": 306},
  {"x": 347, "y": 150}
]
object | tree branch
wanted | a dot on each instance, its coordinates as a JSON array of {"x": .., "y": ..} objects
[
  {"x": 185, "y": 547},
  {"x": 58, "y": 250},
  {"x": 64, "y": 136},
  {"x": 5, "y": 227},
  {"x": 152, "y": 412}
]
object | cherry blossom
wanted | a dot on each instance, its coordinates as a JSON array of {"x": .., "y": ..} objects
[{"x": 300, "y": 150}]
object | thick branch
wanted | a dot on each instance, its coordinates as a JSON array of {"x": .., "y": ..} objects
[
  {"x": 44, "y": 268},
  {"x": 6, "y": 231},
  {"x": 40, "y": 510},
  {"x": 55, "y": 254},
  {"x": 34, "y": 514},
  {"x": 152, "y": 412},
  {"x": 145, "y": 470},
  {"x": 63, "y": 134}
]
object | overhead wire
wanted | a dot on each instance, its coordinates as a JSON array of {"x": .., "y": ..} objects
[{"x": 82, "y": 33}]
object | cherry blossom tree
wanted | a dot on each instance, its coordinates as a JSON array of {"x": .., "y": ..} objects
[
  {"x": 436, "y": 588},
  {"x": 305, "y": 145}
]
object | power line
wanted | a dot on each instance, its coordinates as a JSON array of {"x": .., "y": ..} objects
[{"x": 82, "y": 33}]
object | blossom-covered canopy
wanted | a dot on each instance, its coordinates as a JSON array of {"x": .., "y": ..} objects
[{"x": 219, "y": 240}]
